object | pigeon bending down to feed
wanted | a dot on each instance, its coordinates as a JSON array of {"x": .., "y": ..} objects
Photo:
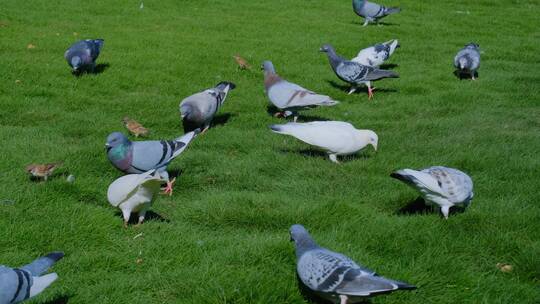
[
  {"x": 372, "y": 12},
  {"x": 19, "y": 284},
  {"x": 134, "y": 127},
  {"x": 290, "y": 97},
  {"x": 242, "y": 63},
  {"x": 142, "y": 156},
  {"x": 334, "y": 276},
  {"x": 42, "y": 170},
  {"x": 438, "y": 185},
  {"x": 198, "y": 110},
  {"x": 134, "y": 193},
  {"x": 82, "y": 54},
  {"x": 354, "y": 72},
  {"x": 376, "y": 55},
  {"x": 467, "y": 60},
  {"x": 334, "y": 137}
]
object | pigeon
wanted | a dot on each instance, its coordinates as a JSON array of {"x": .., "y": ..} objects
[
  {"x": 198, "y": 109},
  {"x": 376, "y": 55},
  {"x": 19, "y": 284},
  {"x": 372, "y": 12},
  {"x": 288, "y": 96},
  {"x": 242, "y": 63},
  {"x": 42, "y": 170},
  {"x": 438, "y": 185},
  {"x": 142, "y": 156},
  {"x": 82, "y": 54},
  {"x": 354, "y": 72},
  {"x": 334, "y": 137},
  {"x": 134, "y": 127},
  {"x": 467, "y": 60},
  {"x": 334, "y": 276},
  {"x": 134, "y": 193}
]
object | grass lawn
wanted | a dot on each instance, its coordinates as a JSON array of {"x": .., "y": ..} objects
[{"x": 223, "y": 236}]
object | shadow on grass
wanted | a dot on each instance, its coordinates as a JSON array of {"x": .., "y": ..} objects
[
  {"x": 387, "y": 66},
  {"x": 321, "y": 154},
  {"x": 419, "y": 206},
  {"x": 218, "y": 120},
  {"x": 272, "y": 110},
  {"x": 149, "y": 217},
  {"x": 360, "y": 90},
  {"x": 464, "y": 75},
  {"x": 361, "y": 23},
  {"x": 59, "y": 300},
  {"x": 100, "y": 68}
]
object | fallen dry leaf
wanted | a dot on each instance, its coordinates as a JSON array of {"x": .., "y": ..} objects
[{"x": 31, "y": 46}]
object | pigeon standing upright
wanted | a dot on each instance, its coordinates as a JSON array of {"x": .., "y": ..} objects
[
  {"x": 445, "y": 187},
  {"x": 134, "y": 193},
  {"x": 467, "y": 59},
  {"x": 198, "y": 110},
  {"x": 372, "y": 12},
  {"x": 354, "y": 72},
  {"x": 142, "y": 156},
  {"x": 334, "y": 137},
  {"x": 82, "y": 54},
  {"x": 19, "y": 284},
  {"x": 290, "y": 97},
  {"x": 376, "y": 55},
  {"x": 334, "y": 276}
]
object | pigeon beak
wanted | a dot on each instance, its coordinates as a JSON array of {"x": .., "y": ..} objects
[
  {"x": 107, "y": 147},
  {"x": 321, "y": 50},
  {"x": 374, "y": 146}
]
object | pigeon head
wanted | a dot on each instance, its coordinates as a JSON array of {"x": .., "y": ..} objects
[
  {"x": 185, "y": 110},
  {"x": 76, "y": 63},
  {"x": 326, "y": 48},
  {"x": 301, "y": 238},
  {"x": 472, "y": 45},
  {"x": 370, "y": 137},
  {"x": 116, "y": 139},
  {"x": 267, "y": 66}
]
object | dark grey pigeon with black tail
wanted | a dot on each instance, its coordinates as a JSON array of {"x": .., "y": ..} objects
[
  {"x": 198, "y": 110},
  {"x": 372, "y": 12},
  {"x": 335, "y": 277},
  {"x": 82, "y": 55},
  {"x": 142, "y": 156},
  {"x": 467, "y": 60},
  {"x": 354, "y": 72},
  {"x": 20, "y": 284}
]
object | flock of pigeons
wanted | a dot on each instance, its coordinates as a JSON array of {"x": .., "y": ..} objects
[{"x": 328, "y": 274}]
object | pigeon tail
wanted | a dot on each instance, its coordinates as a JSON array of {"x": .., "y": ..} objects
[
  {"x": 223, "y": 85},
  {"x": 392, "y": 10},
  {"x": 40, "y": 265},
  {"x": 42, "y": 282},
  {"x": 379, "y": 74},
  {"x": 277, "y": 128},
  {"x": 405, "y": 286}
]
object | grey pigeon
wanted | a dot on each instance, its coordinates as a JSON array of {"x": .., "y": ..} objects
[
  {"x": 377, "y": 54},
  {"x": 353, "y": 72},
  {"x": 142, "y": 156},
  {"x": 445, "y": 187},
  {"x": 82, "y": 55},
  {"x": 333, "y": 276},
  {"x": 467, "y": 60},
  {"x": 198, "y": 110},
  {"x": 372, "y": 12},
  {"x": 19, "y": 284},
  {"x": 289, "y": 96}
]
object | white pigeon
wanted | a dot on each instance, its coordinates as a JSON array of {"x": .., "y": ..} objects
[
  {"x": 134, "y": 193},
  {"x": 334, "y": 137},
  {"x": 445, "y": 187},
  {"x": 377, "y": 54}
]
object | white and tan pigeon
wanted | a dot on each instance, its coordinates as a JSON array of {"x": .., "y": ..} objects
[
  {"x": 134, "y": 193},
  {"x": 333, "y": 137}
]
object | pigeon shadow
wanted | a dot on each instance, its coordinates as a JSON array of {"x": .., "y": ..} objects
[
  {"x": 387, "y": 66},
  {"x": 218, "y": 120},
  {"x": 360, "y": 89},
  {"x": 321, "y": 154},
  {"x": 98, "y": 69},
  {"x": 419, "y": 206},
  {"x": 59, "y": 300},
  {"x": 272, "y": 110},
  {"x": 361, "y": 22},
  {"x": 175, "y": 173},
  {"x": 311, "y": 297},
  {"x": 464, "y": 75},
  {"x": 148, "y": 217}
]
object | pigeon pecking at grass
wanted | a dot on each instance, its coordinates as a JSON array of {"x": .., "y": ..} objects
[
  {"x": 333, "y": 137},
  {"x": 445, "y": 187},
  {"x": 372, "y": 12},
  {"x": 334, "y": 276},
  {"x": 377, "y": 54},
  {"x": 467, "y": 60},
  {"x": 290, "y": 97},
  {"x": 354, "y": 72},
  {"x": 82, "y": 55},
  {"x": 142, "y": 156},
  {"x": 20, "y": 284},
  {"x": 134, "y": 193},
  {"x": 198, "y": 110}
]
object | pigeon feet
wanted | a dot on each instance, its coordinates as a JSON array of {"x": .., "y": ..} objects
[
  {"x": 370, "y": 92},
  {"x": 279, "y": 114},
  {"x": 343, "y": 299},
  {"x": 125, "y": 224},
  {"x": 169, "y": 188},
  {"x": 333, "y": 158}
]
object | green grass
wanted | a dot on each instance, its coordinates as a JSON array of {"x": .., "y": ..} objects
[{"x": 226, "y": 235}]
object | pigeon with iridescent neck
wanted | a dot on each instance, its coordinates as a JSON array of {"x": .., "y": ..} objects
[
  {"x": 82, "y": 55},
  {"x": 334, "y": 276},
  {"x": 20, "y": 284},
  {"x": 142, "y": 156}
]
